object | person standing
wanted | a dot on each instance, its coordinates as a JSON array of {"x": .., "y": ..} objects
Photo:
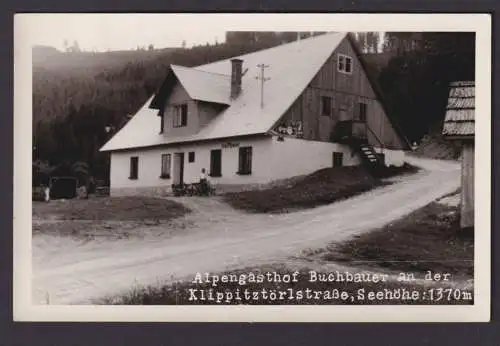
[
  {"x": 46, "y": 193},
  {"x": 203, "y": 182}
]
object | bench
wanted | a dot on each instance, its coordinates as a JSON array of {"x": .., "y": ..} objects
[
  {"x": 102, "y": 191},
  {"x": 194, "y": 189}
]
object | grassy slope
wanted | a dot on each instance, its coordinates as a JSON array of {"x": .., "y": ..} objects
[
  {"x": 428, "y": 239},
  {"x": 322, "y": 187},
  {"x": 115, "y": 217},
  {"x": 112, "y": 208},
  {"x": 434, "y": 146}
]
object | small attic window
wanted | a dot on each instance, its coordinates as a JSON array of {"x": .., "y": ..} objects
[
  {"x": 180, "y": 115},
  {"x": 344, "y": 63}
]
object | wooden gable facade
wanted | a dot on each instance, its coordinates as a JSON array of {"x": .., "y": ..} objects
[{"x": 334, "y": 96}]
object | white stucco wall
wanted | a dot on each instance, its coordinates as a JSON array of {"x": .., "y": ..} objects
[
  {"x": 393, "y": 157},
  {"x": 271, "y": 160}
]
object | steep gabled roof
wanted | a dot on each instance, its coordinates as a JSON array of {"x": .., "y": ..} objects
[
  {"x": 459, "y": 120},
  {"x": 292, "y": 66},
  {"x": 142, "y": 130}
]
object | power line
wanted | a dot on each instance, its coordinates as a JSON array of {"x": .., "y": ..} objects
[{"x": 262, "y": 79}]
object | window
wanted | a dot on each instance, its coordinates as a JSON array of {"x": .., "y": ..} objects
[
  {"x": 362, "y": 112},
  {"x": 245, "y": 160},
  {"x": 166, "y": 163},
  {"x": 180, "y": 115},
  {"x": 191, "y": 156},
  {"x": 326, "y": 105},
  {"x": 344, "y": 64},
  {"x": 134, "y": 167},
  {"x": 338, "y": 159},
  {"x": 216, "y": 163}
]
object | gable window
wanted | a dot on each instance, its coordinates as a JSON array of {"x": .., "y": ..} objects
[
  {"x": 326, "y": 105},
  {"x": 191, "y": 156},
  {"x": 216, "y": 163},
  {"x": 180, "y": 115},
  {"x": 134, "y": 167},
  {"x": 344, "y": 63},
  {"x": 166, "y": 164},
  {"x": 245, "y": 160},
  {"x": 361, "y": 114}
]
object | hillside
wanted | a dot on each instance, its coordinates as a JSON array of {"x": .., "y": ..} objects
[
  {"x": 434, "y": 146},
  {"x": 52, "y": 59},
  {"x": 43, "y": 54},
  {"x": 122, "y": 80},
  {"x": 78, "y": 95}
]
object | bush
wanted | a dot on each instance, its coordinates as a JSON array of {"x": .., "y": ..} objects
[{"x": 38, "y": 194}]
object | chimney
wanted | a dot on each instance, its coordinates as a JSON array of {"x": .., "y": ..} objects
[{"x": 236, "y": 75}]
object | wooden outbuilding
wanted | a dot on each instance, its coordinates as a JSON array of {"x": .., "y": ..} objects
[{"x": 459, "y": 126}]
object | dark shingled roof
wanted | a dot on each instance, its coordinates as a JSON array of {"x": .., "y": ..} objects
[{"x": 459, "y": 119}]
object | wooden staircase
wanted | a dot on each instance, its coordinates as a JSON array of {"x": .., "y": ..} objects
[
  {"x": 371, "y": 159},
  {"x": 355, "y": 135}
]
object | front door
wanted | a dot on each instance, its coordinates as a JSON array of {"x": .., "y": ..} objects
[
  {"x": 179, "y": 168},
  {"x": 215, "y": 163},
  {"x": 338, "y": 159}
]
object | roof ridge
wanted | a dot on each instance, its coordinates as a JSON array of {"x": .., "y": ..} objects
[
  {"x": 198, "y": 70},
  {"x": 276, "y": 47}
]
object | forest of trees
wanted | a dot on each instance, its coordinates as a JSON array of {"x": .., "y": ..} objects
[{"x": 81, "y": 98}]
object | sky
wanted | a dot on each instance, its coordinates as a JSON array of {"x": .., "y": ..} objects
[
  {"x": 120, "y": 32},
  {"x": 102, "y": 32}
]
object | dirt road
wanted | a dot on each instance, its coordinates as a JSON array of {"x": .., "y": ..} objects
[{"x": 70, "y": 271}]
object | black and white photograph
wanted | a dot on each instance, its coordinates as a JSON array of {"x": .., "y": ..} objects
[{"x": 252, "y": 167}]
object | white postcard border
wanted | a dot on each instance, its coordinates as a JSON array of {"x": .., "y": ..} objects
[{"x": 480, "y": 311}]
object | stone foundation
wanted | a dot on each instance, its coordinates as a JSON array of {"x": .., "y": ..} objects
[
  {"x": 153, "y": 191},
  {"x": 228, "y": 188}
]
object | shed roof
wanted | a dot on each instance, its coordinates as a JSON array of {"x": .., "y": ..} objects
[{"x": 460, "y": 112}]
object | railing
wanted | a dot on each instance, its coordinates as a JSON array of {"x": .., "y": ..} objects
[
  {"x": 376, "y": 137},
  {"x": 355, "y": 129},
  {"x": 350, "y": 129}
]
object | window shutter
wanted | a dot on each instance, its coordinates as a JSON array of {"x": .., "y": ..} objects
[
  {"x": 340, "y": 63},
  {"x": 249, "y": 160},
  {"x": 166, "y": 160},
  {"x": 240, "y": 159},
  {"x": 184, "y": 115},
  {"x": 348, "y": 65}
]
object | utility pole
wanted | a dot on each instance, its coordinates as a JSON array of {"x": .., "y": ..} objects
[{"x": 262, "y": 79}]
